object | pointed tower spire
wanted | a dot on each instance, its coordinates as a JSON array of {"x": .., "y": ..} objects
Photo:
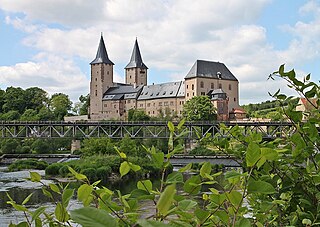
[
  {"x": 102, "y": 55},
  {"x": 136, "y": 59}
]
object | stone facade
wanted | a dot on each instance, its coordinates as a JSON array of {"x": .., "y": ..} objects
[{"x": 109, "y": 100}]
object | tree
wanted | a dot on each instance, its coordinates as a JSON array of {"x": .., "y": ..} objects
[
  {"x": 10, "y": 146},
  {"x": 36, "y": 98},
  {"x": 11, "y": 115},
  {"x": 85, "y": 101},
  {"x": 15, "y": 99},
  {"x": 199, "y": 108},
  {"x": 60, "y": 105},
  {"x": 137, "y": 115},
  {"x": 29, "y": 115},
  {"x": 41, "y": 146}
]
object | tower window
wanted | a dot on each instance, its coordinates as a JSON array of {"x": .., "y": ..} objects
[
  {"x": 201, "y": 84},
  {"x": 192, "y": 86},
  {"x": 220, "y": 85},
  {"x": 96, "y": 92},
  {"x": 130, "y": 76},
  {"x": 212, "y": 85},
  {"x": 234, "y": 99},
  {"x": 107, "y": 72},
  {"x": 229, "y": 86},
  {"x": 187, "y": 86}
]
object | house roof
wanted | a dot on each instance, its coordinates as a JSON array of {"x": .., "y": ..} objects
[
  {"x": 210, "y": 69},
  {"x": 238, "y": 111},
  {"x": 102, "y": 55},
  {"x": 136, "y": 59},
  {"x": 165, "y": 90},
  {"x": 122, "y": 92}
]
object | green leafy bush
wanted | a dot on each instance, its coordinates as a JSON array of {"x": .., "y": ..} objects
[
  {"x": 53, "y": 169},
  {"x": 27, "y": 164}
]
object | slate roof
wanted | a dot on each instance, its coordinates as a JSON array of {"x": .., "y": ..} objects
[
  {"x": 122, "y": 92},
  {"x": 102, "y": 55},
  {"x": 210, "y": 69},
  {"x": 136, "y": 59},
  {"x": 165, "y": 90}
]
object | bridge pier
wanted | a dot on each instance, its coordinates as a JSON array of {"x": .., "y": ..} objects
[{"x": 75, "y": 145}]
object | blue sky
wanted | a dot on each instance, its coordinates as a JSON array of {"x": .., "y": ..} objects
[{"x": 50, "y": 43}]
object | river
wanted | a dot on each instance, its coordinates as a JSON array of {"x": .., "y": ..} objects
[{"x": 18, "y": 187}]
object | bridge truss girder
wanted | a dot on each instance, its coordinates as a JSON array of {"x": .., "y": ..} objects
[{"x": 191, "y": 130}]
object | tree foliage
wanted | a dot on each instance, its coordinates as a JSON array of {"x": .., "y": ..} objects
[{"x": 199, "y": 108}]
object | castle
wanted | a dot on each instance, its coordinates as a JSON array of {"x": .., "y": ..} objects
[{"x": 110, "y": 100}]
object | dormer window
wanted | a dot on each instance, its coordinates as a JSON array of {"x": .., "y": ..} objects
[{"x": 219, "y": 75}]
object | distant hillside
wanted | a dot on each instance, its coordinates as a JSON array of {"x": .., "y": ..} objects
[{"x": 267, "y": 109}]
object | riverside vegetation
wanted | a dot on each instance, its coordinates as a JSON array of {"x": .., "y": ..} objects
[{"x": 279, "y": 184}]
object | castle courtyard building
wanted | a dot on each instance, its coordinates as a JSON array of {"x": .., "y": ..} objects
[{"x": 110, "y": 100}]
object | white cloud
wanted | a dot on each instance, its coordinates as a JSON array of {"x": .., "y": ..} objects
[
  {"x": 171, "y": 35},
  {"x": 51, "y": 73}
]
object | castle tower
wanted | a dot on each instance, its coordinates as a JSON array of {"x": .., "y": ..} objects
[
  {"x": 136, "y": 70},
  {"x": 101, "y": 79}
]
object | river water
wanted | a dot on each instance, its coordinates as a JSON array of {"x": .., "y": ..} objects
[{"x": 18, "y": 187}]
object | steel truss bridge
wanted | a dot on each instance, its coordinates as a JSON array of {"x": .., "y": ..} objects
[{"x": 114, "y": 129}]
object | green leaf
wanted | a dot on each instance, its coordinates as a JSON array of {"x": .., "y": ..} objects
[
  {"x": 54, "y": 188},
  {"x": 141, "y": 194},
  {"x": 61, "y": 213},
  {"x": 92, "y": 217},
  {"x": 151, "y": 223},
  {"x": 281, "y": 69},
  {"x": 192, "y": 185},
  {"x": 134, "y": 167},
  {"x": 260, "y": 187},
  {"x": 201, "y": 215},
  {"x": 124, "y": 168},
  {"x": 205, "y": 169},
  {"x": 145, "y": 185},
  {"x": 166, "y": 199},
  {"x": 47, "y": 193},
  {"x": 171, "y": 126},
  {"x": 35, "y": 177},
  {"x": 27, "y": 199},
  {"x": 181, "y": 123},
  {"x": 84, "y": 194},
  {"x": 308, "y": 77},
  {"x": 23, "y": 224},
  {"x": 185, "y": 168},
  {"x": 158, "y": 158},
  {"x": 66, "y": 196},
  {"x": 253, "y": 154},
  {"x": 78, "y": 176},
  {"x": 269, "y": 154},
  {"x": 17, "y": 206},
  {"x": 243, "y": 222},
  {"x": 174, "y": 177},
  {"x": 121, "y": 154},
  {"x": 37, "y": 213},
  {"x": 235, "y": 198},
  {"x": 187, "y": 204}
]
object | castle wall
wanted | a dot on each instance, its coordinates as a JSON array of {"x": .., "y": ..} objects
[
  {"x": 136, "y": 76},
  {"x": 201, "y": 86}
]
